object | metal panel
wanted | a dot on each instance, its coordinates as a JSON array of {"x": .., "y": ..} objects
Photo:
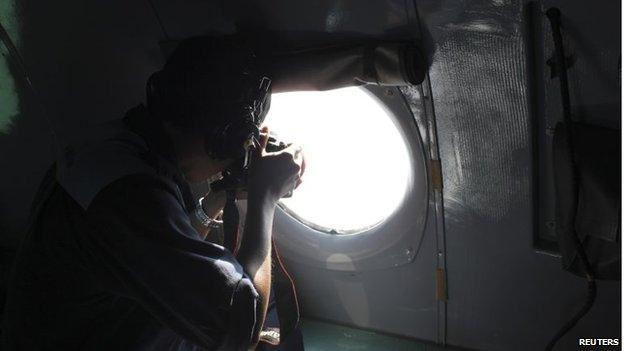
[{"x": 502, "y": 295}]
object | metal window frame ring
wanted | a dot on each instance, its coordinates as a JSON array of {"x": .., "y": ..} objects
[{"x": 390, "y": 243}]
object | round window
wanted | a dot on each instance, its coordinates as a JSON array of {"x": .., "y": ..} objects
[{"x": 357, "y": 163}]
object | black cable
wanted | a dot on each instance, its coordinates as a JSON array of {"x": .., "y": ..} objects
[
  {"x": 159, "y": 20},
  {"x": 554, "y": 16},
  {"x": 589, "y": 302}
]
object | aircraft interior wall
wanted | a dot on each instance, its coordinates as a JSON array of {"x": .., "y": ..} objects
[{"x": 474, "y": 114}]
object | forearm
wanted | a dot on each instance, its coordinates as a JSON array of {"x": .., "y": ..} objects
[
  {"x": 256, "y": 241},
  {"x": 255, "y": 250}
]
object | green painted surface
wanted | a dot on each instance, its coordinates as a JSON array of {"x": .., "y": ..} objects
[
  {"x": 9, "y": 100},
  {"x": 321, "y": 336}
]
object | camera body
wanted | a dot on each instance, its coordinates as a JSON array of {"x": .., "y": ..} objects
[{"x": 235, "y": 177}]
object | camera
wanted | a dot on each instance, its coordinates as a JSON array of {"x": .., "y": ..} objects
[{"x": 235, "y": 177}]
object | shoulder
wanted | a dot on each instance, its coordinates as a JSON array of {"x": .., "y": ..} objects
[
  {"x": 143, "y": 204},
  {"x": 84, "y": 172},
  {"x": 139, "y": 190}
]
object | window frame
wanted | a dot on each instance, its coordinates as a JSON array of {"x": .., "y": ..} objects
[{"x": 389, "y": 243}]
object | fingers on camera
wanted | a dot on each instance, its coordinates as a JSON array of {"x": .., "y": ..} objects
[
  {"x": 298, "y": 182},
  {"x": 262, "y": 143},
  {"x": 292, "y": 166}
]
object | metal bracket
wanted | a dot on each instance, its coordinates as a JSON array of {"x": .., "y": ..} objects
[
  {"x": 441, "y": 292},
  {"x": 435, "y": 174}
]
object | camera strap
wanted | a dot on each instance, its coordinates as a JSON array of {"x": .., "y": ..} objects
[{"x": 230, "y": 222}]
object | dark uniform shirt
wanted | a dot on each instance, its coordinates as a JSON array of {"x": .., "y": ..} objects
[{"x": 111, "y": 262}]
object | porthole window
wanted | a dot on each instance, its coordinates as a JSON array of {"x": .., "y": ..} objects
[{"x": 358, "y": 166}]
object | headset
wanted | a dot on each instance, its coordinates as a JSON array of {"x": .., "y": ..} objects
[
  {"x": 229, "y": 137},
  {"x": 236, "y": 138}
]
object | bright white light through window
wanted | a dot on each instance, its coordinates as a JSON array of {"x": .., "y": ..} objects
[{"x": 357, "y": 165}]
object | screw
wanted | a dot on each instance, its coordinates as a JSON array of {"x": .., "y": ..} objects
[{"x": 409, "y": 251}]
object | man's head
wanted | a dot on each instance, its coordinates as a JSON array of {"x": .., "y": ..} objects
[{"x": 212, "y": 90}]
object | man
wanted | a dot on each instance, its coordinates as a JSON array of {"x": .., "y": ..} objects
[{"x": 114, "y": 258}]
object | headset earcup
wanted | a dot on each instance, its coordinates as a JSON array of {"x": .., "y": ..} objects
[{"x": 228, "y": 140}]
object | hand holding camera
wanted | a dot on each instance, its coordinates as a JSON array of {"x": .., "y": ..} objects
[
  {"x": 274, "y": 174},
  {"x": 272, "y": 156}
]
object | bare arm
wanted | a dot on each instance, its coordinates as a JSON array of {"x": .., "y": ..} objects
[
  {"x": 271, "y": 176},
  {"x": 255, "y": 251}
]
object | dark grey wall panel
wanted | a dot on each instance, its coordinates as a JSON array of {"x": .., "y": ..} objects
[
  {"x": 375, "y": 17},
  {"x": 88, "y": 62},
  {"x": 502, "y": 295}
]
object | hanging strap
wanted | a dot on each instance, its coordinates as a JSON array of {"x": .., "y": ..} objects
[{"x": 230, "y": 222}]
